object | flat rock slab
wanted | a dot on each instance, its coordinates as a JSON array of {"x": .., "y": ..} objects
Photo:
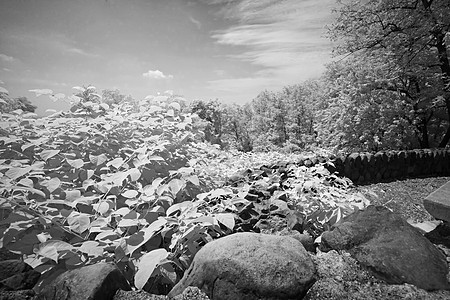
[
  {"x": 250, "y": 266},
  {"x": 390, "y": 247},
  {"x": 438, "y": 203}
]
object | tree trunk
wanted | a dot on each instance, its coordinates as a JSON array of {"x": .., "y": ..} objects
[
  {"x": 422, "y": 132},
  {"x": 424, "y": 144},
  {"x": 445, "y": 69},
  {"x": 446, "y": 138},
  {"x": 439, "y": 34}
]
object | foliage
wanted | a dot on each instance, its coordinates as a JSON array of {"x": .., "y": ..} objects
[
  {"x": 262, "y": 179},
  {"x": 323, "y": 198},
  {"x": 387, "y": 89},
  {"x": 269, "y": 122},
  {"x": 112, "y": 97},
  {"x": 285, "y": 119},
  {"x": 357, "y": 115},
  {"x": 302, "y": 100},
  {"x": 166, "y": 100},
  {"x": 87, "y": 102},
  {"x": 224, "y": 124},
  {"x": 411, "y": 36},
  {"x": 8, "y": 104},
  {"x": 138, "y": 189},
  {"x": 212, "y": 114},
  {"x": 237, "y": 132},
  {"x": 83, "y": 189}
]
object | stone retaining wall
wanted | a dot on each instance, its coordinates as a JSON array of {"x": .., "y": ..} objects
[{"x": 364, "y": 168}]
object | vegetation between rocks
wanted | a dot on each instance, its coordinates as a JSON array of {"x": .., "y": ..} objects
[
  {"x": 141, "y": 189},
  {"x": 135, "y": 183}
]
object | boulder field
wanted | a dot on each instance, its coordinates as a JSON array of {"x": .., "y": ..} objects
[{"x": 370, "y": 254}]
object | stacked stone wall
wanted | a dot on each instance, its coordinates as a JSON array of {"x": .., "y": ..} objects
[{"x": 363, "y": 168}]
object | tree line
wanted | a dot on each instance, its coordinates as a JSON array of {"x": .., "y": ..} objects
[{"x": 388, "y": 88}]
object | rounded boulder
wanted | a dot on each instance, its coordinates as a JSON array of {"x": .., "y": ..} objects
[{"x": 250, "y": 266}]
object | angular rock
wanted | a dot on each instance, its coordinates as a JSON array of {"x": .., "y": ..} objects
[
  {"x": 440, "y": 235},
  {"x": 17, "y": 280},
  {"x": 250, "y": 266},
  {"x": 12, "y": 267},
  {"x": 295, "y": 220},
  {"x": 394, "y": 250},
  {"x": 20, "y": 281},
  {"x": 5, "y": 254},
  {"x": 99, "y": 282},
  {"x": 438, "y": 203}
]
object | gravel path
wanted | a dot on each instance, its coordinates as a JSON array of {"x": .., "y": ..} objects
[{"x": 404, "y": 196}]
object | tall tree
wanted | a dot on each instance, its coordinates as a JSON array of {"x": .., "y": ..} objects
[
  {"x": 212, "y": 113},
  {"x": 301, "y": 100},
  {"x": 268, "y": 123},
  {"x": 361, "y": 111},
  {"x": 414, "y": 34},
  {"x": 237, "y": 127}
]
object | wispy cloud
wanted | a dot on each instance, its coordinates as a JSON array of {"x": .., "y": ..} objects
[
  {"x": 40, "y": 83},
  {"x": 195, "y": 22},
  {"x": 65, "y": 45},
  {"x": 79, "y": 51},
  {"x": 156, "y": 74},
  {"x": 58, "y": 43},
  {"x": 220, "y": 72},
  {"x": 6, "y": 58},
  {"x": 283, "y": 39}
]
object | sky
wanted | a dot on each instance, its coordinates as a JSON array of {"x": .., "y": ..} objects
[{"x": 230, "y": 50}]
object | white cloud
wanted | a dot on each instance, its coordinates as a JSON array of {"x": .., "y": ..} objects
[
  {"x": 156, "y": 74},
  {"x": 6, "y": 58}
]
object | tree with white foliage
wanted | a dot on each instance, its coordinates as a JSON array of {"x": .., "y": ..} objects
[{"x": 414, "y": 36}]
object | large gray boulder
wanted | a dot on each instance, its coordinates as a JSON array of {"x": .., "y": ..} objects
[
  {"x": 250, "y": 266},
  {"x": 93, "y": 282},
  {"x": 394, "y": 250}
]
